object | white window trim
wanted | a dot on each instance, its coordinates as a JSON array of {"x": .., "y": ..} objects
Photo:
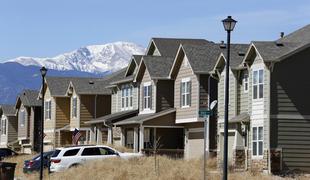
[
  {"x": 258, "y": 98},
  {"x": 244, "y": 81},
  {"x": 22, "y": 125},
  {"x": 257, "y": 156},
  {"x": 74, "y": 116},
  {"x": 48, "y": 101},
  {"x": 146, "y": 84},
  {"x": 185, "y": 80},
  {"x": 129, "y": 97},
  {"x": 4, "y": 120}
]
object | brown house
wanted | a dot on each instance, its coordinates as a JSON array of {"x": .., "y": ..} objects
[{"x": 29, "y": 116}]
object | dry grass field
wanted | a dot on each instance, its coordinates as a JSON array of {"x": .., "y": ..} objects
[{"x": 141, "y": 169}]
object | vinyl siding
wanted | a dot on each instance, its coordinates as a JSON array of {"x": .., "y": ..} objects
[
  {"x": 243, "y": 96},
  {"x": 50, "y": 124},
  {"x": 103, "y": 105},
  {"x": 192, "y": 111},
  {"x": 165, "y": 95},
  {"x": 23, "y": 129},
  {"x": 232, "y": 105},
  {"x": 62, "y": 112},
  {"x": 290, "y": 115},
  {"x": 147, "y": 78},
  {"x": 114, "y": 102},
  {"x": 12, "y": 128},
  {"x": 74, "y": 121}
]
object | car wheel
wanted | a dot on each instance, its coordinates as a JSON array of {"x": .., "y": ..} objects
[{"x": 74, "y": 165}]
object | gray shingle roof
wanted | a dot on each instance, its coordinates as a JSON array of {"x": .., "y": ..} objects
[
  {"x": 158, "y": 66},
  {"x": 237, "y": 52},
  {"x": 276, "y": 50},
  {"x": 8, "y": 110},
  {"x": 58, "y": 85},
  {"x": 145, "y": 117},
  {"x": 111, "y": 118},
  {"x": 301, "y": 36},
  {"x": 29, "y": 98},
  {"x": 270, "y": 51},
  {"x": 168, "y": 47}
]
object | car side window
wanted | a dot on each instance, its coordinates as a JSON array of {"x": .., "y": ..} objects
[
  {"x": 106, "y": 151},
  {"x": 71, "y": 152},
  {"x": 91, "y": 152}
]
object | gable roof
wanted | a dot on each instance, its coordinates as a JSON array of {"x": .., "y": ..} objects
[
  {"x": 58, "y": 85},
  {"x": 28, "y": 98},
  {"x": 8, "y": 110},
  {"x": 168, "y": 47},
  {"x": 157, "y": 66},
  {"x": 275, "y": 51}
]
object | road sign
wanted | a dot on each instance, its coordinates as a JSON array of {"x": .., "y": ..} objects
[{"x": 204, "y": 113}]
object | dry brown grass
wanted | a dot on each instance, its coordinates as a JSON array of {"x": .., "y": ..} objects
[{"x": 141, "y": 169}]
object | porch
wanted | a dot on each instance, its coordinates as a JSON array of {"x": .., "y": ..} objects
[{"x": 153, "y": 133}]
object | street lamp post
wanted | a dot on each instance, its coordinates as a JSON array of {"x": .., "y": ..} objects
[
  {"x": 43, "y": 71},
  {"x": 229, "y": 25}
]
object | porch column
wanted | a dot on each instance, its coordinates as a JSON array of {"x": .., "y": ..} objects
[
  {"x": 92, "y": 134},
  {"x": 110, "y": 135},
  {"x": 87, "y": 136},
  {"x": 98, "y": 136},
  {"x": 141, "y": 147},
  {"x": 122, "y": 137},
  {"x": 135, "y": 139}
]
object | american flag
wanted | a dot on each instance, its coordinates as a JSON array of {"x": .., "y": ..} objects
[{"x": 76, "y": 136}]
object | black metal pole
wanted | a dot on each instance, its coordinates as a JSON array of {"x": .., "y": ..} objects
[
  {"x": 225, "y": 160},
  {"x": 206, "y": 130},
  {"x": 42, "y": 129}
]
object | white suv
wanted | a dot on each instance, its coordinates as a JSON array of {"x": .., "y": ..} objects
[{"x": 64, "y": 158}]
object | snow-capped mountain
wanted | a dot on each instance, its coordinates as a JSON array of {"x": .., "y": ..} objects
[{"x": 92, "y": 59}]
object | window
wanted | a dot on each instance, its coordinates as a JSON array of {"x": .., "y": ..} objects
[
  {"x": 48, "y": 112},
  {"x": 22, "y": 116},
  {"x": 71, "y": 152},
  {"x": 106, "y": 151},
  {"x": 91, "y": 152},
  {"x": 246, "y": 82},
  {"x": 258, "y": 84},
  {"x": 185, "y": 93},
  {"x": 3, "y": 126},
  {"x": 147, "y": 97},
  {"x": 126, "y": 97},
  {"x": 257, "y": 144},
  {"x": 74, "y": 107}
]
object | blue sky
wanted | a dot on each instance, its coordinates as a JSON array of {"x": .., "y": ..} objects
[{"x": 47, "y": 28}]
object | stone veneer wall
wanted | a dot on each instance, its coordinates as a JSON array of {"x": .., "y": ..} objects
[{"x": 258, "y": 164}]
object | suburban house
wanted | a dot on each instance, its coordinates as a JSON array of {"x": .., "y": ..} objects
[
  {"x": 155, "y": 127},
  {"x": 8, "y": 126},
  {"x": 124, "y": 105},
  {"x": 29, "y": 117},
  {"x": 56, "y": 111},
  {"x": 269, "y": 118},
  {"x": 90, "y": 99}
]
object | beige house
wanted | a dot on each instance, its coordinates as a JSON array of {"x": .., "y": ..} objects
[
  {"x": 124, "y": 104},
  {"x": 29, "y": 116},
  {"x": 8, "y": 126}
]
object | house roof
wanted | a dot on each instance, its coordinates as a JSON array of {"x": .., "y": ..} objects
[
  {"x": 158, "y": 66},
  {"x": 29, "y": 98},
  {"x": 168, "y": 47},
  {"x": 111, "y": 118},
  {"x": 8, "y": 110},
  {"x": 145, "y": 117},
  {"x": 241, "y": 118},
  {"x": 274, "y": 51},
  {"x": 137, "y": 58},
  {"x": 58, "y": 85}
]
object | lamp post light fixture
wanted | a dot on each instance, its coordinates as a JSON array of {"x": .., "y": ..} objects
[
  {"x": 43, "y": 71},
  {"x": 229, "y": 25}
]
